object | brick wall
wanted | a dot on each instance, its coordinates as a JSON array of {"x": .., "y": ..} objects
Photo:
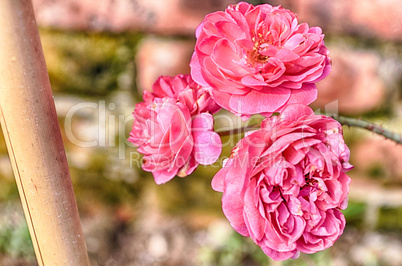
[{"x": 363, "y": 36}]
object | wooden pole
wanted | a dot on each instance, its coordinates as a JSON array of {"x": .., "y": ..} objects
[{"x": 32, "y": 133}]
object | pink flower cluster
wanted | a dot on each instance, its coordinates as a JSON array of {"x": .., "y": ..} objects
[
  {"x": 173, "y": 128},
  {"x": 284, "y": 184}
]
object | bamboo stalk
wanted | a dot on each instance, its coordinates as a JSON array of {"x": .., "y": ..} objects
[{"x": 32, "y": 133}]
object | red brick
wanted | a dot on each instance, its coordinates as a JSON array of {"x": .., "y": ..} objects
[
  {"x": 377, "y": 152},
  {"x": 161, "y": 16},
  {"x": 375, "y": 18},
  {"x": 380, "y": 19},
  {"x": 162, "y": 56},
  {"x": 354, "y": 82}
]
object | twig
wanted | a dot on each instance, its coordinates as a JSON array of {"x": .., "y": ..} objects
[
  {"x": 369, "y": 126},
  {"x": 353, "y": 122}
]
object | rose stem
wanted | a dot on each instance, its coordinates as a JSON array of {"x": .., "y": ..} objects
[
  {"x": 353, "y": 122},
  {"x": 347, "y": 121}
]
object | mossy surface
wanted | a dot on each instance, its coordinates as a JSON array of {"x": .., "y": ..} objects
[
  {"x": 354, "y": 214},
  {"x": 100, "y": 184},
  {"x": 390, "y": 219},
  {"x": 88, "y": 63}
]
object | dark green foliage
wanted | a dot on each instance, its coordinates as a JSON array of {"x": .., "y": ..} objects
[
  {"x": 390, "y": 219},
  {"x": 354, "y": 213},
  {"x": 101, "y": 185},
  {"x": 91, "y": 62},
  {"x": 14, "y": 236},
  {"x": 190, "y": 194}
]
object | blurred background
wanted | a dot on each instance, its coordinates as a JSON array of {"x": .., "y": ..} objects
[{"x": 102, "y": 54}]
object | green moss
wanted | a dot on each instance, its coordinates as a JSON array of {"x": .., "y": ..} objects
[
  {"x": 390, "y": 219},
  {"x": 15, "y": 240},
  {"x": 383, "y": 112},
  {"x": 8, "y": 189},
  {"x": 376, "y": 171},
  {"x": 192, "y": 193},
  {"x": 321, "y": 258},
  {"x": 3, "y": 148},
  {"x": 354, "y": 214},
  {"x": 101, "y": 186},
  {"x": 359, "y": 42},
  {"x": 237, "y": 250},
  {"x": 88, "y": 63}
]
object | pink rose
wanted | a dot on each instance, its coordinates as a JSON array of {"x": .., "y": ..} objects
[
  {"x": 284, "y": 185},
  {"x": 258, "y": 59},
  {"x": 184, "y": 89},
  {"x": 173, "y": 128}
]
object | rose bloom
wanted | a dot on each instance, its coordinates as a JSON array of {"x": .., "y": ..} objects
[
  {"x": 184, "y": 89},
  {"x": 285, "y": 184},
  {"x": 173, "y": 129},
  {"x": 258, "y": 59}
]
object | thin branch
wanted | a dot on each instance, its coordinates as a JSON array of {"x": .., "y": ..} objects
[
  {"x": 352, "y": 122},
  {"x": 369, "y": 126}
]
